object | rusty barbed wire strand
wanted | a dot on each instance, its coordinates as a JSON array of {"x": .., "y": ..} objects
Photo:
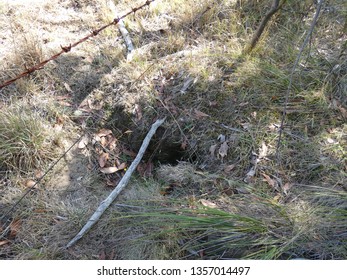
[{"x": 67, "y": 49}]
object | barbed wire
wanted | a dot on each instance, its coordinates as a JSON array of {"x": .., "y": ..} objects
[{"x": 68, "y": 48}]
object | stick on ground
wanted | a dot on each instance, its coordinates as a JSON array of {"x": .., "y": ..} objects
[
  {"x": 121, "y": 185},
  {"x": 274, "y": 8},
  {"x": 123, "y": 30}
]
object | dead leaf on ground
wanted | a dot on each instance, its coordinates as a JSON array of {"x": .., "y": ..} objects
[
  {"x": 122, "y": 166},
  {"x": 67, "y": 87},
  {"x": 270, "y": 181},
  {"x": 287, "y": 187},
  {"x": 223, "y": 150},
  {"x": 90, "y": 103},
  {"x": 263, "y": 151},
  {"x": 38, "y": 174},
  {"x": 229, "y": 168},
  {"x": 30, "y": 183},
  {"x": 109, "y": 170},
  {"x": 84, "y": 142},
  {"x": 212, "y": 103},
  {"x": 112, "y": 144},
  {"x": 65, "y": 103},
  {"x": 103, "y": 159},
  {"x": 96, "y": 138},
  {"x": 104, "y": 132},
  {"x": 14, "y": 228},
  {"x": 208, "y": 203},
  {"x": 212, "y": 150},
  {"x": 200, "y": 115},
  {"x": 103, "y": 141},
  {"x": 4, "y": 242}
]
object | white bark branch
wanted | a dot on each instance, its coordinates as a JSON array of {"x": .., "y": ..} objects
[
  {"x": 123, "y": 30},
  {"x": 107, "y": 202}
]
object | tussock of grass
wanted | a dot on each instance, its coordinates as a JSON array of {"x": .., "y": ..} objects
[
  {"x": 257, "y": 228},
  {"x": 25, "y": 139}
]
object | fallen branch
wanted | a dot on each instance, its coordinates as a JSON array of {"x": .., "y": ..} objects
[
  {"x": 123, "y": 30},
  {"x": 274, "y": 8},
  {"x": 121, "y": 185}
]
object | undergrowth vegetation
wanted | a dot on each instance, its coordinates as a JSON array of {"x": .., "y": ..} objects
[{"x": 214, "y": 183}]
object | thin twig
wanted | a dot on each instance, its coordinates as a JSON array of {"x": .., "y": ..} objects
[
  {"x": 308, "y": 36},
  {"x": 121, "y": 185}
]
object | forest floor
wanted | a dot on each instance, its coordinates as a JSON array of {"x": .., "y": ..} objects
[{"x": 214, "y": 183}]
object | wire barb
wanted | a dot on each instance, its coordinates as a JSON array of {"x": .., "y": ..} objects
[{"x": 66, "y": 49}]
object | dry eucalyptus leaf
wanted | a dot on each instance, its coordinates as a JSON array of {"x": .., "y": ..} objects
[
  {"x": 212, "y": 103},
  {"x": 103, "y": 141},
  {"x": 14, "y": 228},
  {"x": 29, "y": 183},
  {"x": 223, "y": 150},
  {"x": 90, "y": 104},
  {"x": 104, "y": 132},
  {"x": 122, "y": 166},
  {"x": 263, "y": 151},
  {"x": 109, "y": 170},
  {"x": 67, "y": 87},
  {"x": 270, "y": 181},
  {"x": 38, "y": 174},
  {"x": 229, "y": 168},
  {"x": 4, "y": 242},
  {"x": 112, "y": 144},
  {"x": 207, "y": 203},
  {"x": 199, "y": 115},
  {"x": 287, "y": 187},
  {"x": 103, "y": 159}
]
